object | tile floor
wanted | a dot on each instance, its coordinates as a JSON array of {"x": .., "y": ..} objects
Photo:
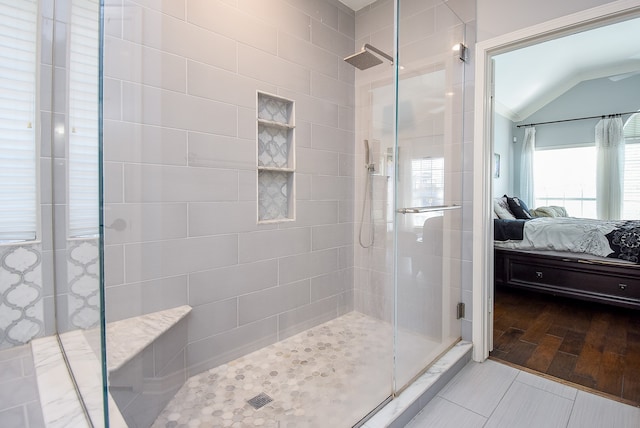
[
  {"x": 19, "y": 401},
  {"x": 487, "y": 395},
  {"x": 492, "y": 395},
  {"x": 330, "y": 375}
]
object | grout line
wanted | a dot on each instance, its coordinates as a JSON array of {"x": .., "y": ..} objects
[
  {"x": 461, "y": 406},
  {"x": 503, "y": 395}
]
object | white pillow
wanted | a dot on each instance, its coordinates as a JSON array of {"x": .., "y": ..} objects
[
  {"x": 551, "y": 211},
  {"x": 501, "y": 208}
]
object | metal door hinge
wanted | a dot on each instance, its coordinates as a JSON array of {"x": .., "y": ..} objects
[
  {"x": 461, "y": 51},
  {"x": 460, "y": 310}
]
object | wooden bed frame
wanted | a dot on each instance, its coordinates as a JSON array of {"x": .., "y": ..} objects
[{"x": 586, "y": 279}]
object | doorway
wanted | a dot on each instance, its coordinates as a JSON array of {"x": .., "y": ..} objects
[{"x": 486, "y": 53}]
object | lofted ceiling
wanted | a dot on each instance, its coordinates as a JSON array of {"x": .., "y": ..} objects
[{"x": 529, "y": 78}]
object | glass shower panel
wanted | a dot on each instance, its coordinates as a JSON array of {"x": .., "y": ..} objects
[
  {"x": 75, "y": 176},
  {"x": 374, "y": 172},
  {"x": 271, "y": 304},
  {"x": 428, "y": 190}
]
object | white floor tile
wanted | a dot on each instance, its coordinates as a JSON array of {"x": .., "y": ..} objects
[
  {"x": 526, "y": 406},
  {"x": 593, "y": 411},
  {"x": 547, "y": 385},
  {"x": 510, "y": 398},
  {"x": 440, "y": 413},
  {"x": 479, "y": 387}
]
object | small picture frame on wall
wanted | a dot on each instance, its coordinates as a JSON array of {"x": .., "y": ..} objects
[{"x": 496, "y": 165}]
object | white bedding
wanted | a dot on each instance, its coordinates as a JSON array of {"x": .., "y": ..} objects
[{"x": 576, "y": 235}]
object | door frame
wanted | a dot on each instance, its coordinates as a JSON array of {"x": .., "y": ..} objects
[{"x": 482, "y": 327}]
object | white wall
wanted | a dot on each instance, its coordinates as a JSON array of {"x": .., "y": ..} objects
[{"x": 497, "y": 17}]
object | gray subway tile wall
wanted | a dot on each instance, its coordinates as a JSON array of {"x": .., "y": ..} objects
[
  {"x": 159, "y": 259},
  {"x": 221, "y": 348},
  {"x": 156, "y": 183},
  {"x": 231, "y": 217},
  {"x": 273, "y": 301},
  {"x": 154, "y": 145},
  {"x": 254, "y": 246},
  {"x": 307, "y": 265},
  {"x": 144, "y": 71},
  {"x": 143, "y": 224},
  {"x": 213, "y": 318},
  {"x": 180, "y": 152},
  {"x": 128, "y": 300},
  {"x": 215, "y": 151},
  {"x": 232, "y": 281}
]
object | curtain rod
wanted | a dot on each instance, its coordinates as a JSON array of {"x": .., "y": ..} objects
[{"x": 602, "y": 116}]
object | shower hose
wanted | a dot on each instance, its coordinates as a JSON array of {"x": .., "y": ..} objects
[{"x": 368, "y": 191}]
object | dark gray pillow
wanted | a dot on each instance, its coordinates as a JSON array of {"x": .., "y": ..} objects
[{"x": 518, "y": 208}]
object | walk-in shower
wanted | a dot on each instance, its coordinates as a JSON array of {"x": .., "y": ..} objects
[{"x": 218, "y": 236}]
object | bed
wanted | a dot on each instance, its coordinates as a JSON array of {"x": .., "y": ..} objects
[{"x": 587, "y": 259}]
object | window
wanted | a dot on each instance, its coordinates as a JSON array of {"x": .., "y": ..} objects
[
  {"x": 558, "y": 180},
  {"x": 427, "y": 186},
  {"x": 631, "y": 207},
  {"x": 83, "y": 119},
  {"x": 18, "y": 173}
]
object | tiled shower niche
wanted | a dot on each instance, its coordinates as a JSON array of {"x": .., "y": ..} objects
[{"x": 276, "y": 158}]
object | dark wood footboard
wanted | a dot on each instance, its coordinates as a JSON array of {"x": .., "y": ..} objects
[{"x": 584, "y": 279}]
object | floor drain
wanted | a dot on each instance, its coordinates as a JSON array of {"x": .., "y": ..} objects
[{"x": 260, "y": 400}]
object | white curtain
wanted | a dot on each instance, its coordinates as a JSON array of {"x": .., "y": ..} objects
[
  {"x": 526, "y": 166},
  {"x": 610, "y": 168}
]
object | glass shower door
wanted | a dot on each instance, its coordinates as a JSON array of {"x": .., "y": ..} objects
[{"x": 428, "y": 186}]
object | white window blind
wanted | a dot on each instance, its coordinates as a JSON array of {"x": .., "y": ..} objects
[
  {"x": 632, "y": 129},
  {"x": 83, "y": 118},
  {"x": 631, "y": 204},
  {"x": 18, "y": 174}
]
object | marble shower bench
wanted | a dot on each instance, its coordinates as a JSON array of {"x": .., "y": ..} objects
[
  {"x": 129, "y": 337},
  {"x": 145, "y": 362}
]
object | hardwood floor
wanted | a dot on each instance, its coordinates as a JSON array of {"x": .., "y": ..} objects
[{"x": 593, "y": 345}]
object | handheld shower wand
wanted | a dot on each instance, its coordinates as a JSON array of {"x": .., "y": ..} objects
[
  {"x": 371, "y": 167},
  {"x": 366, "y": 151},
  {"x": 368, "y": 194}
]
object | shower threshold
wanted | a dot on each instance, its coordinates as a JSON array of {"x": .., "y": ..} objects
[{"x": 330, "y": 375}]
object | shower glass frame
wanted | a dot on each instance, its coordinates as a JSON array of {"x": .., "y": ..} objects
[
  {"x": 78, "y": 278},
  {"x": 427, "y": 245},
  {"x": 398, "y": 358}
]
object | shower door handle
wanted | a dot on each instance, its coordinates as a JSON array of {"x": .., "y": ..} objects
[{"x": 432, "y": 208}]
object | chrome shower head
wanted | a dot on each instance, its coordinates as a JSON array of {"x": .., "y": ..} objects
[
  {"x": 366, "y": 59},
  {"x": 363, "y": 60}
]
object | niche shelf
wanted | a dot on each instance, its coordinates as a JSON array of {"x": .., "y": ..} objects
[{"x": 275, "y": 158}]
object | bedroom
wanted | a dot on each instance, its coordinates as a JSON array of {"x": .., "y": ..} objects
[{"x": 583, "y": 327}]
